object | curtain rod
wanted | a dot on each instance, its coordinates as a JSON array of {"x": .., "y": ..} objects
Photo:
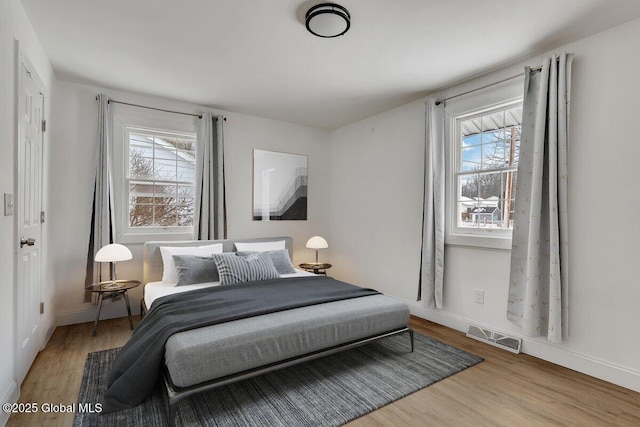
[
  {"x": 157, "y": 109},
  {"x": 440, "y": 101}
]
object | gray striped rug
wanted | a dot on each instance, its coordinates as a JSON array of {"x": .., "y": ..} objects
[{"x": 330, "y": 391}]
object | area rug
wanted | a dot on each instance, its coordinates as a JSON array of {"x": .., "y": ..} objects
[{"x": 330, "y": 391}]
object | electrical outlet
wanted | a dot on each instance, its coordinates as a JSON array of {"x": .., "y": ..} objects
[{"x": 479, "y": 296}]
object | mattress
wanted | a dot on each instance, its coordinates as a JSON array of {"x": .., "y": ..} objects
[
  {"x": 154, "y": 290},
  {"x": 212, "y": 352}
]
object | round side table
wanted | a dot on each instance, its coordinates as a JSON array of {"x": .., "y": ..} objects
[
  {"x": 111, "y": 289},
  {"x": 316, "y": 267}
]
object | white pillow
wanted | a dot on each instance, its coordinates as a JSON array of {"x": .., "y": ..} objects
[
  {"x": 169, "y": 271},
  {"x": 260, "y": 246}
]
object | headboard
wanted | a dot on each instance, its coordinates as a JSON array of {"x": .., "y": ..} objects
[{"x": 152, "y": 268}]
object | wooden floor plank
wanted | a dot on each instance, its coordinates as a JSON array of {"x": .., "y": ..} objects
[{"x": 504, "y": 390}]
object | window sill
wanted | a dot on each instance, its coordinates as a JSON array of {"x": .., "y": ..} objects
[
  {"x": 480, "y": 242},
  {"x": 148, "y": 237}
]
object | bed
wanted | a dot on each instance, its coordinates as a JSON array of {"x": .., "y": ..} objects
[{"x": 252, "y": 346}]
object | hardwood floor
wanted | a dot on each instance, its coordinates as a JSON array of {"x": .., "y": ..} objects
[
  {"x": 504, "y": 390},
  {"x": 56, "y": 374}
]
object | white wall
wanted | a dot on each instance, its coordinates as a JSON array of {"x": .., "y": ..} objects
[
  {"x": 376, "y": 207},
  {"x": 74, "y": 130},
  {"x": 376, "y": 214},
  {"x": 14, "y": 25}
]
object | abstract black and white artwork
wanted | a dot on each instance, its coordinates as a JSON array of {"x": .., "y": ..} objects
[{"x": 279, "y": 186}]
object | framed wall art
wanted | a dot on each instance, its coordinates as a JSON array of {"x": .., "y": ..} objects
[{"x": 279, "y": 186}]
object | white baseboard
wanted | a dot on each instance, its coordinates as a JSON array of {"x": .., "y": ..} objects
[
  {"x": 50, "y": 332},
  {"x": 9, "y": 396},
  {"x": 87, "y": 313},
  {"x": 542, "y": 349},
  {"x": 48, "y": 336}
]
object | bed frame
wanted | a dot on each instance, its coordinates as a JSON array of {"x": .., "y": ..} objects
[{"x": 173, "y": 394}]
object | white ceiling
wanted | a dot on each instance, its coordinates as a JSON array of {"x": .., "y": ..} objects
[{"x": 256, "y": 57}]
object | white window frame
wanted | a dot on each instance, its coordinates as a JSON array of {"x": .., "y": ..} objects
[
  {"x": 126, "y": 118},
  {"x": 503, "y": 96}
]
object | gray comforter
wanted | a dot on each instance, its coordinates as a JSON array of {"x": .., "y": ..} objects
[{"x": 137, "y": 366}]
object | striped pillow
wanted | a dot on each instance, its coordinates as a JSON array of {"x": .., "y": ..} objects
[
  {"x": 280, "y": 258},
  {"x": 237, "y": 269}
]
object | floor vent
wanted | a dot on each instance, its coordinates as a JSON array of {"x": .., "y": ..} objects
[{"x": 497, "y": 339}]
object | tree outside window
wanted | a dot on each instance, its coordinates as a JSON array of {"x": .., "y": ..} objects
[
  {"x": 487, "y": 164},
  {"x": 161, "y": 179}
]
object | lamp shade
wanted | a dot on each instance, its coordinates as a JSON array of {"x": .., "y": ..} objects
[
  {"x": 113, "y": 253},
  {"x": 328, "y": 20},
  {"x": 317, "y": 242}
]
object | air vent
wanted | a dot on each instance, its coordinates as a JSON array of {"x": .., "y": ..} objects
[{"x": 494, "y": 338}]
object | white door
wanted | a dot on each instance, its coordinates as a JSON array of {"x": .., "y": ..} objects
[{"x": 28, "y": 221}]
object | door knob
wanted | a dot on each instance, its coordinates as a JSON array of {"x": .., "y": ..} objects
[{"x": 28, "y": 242}]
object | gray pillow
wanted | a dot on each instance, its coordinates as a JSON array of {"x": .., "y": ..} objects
[
  {"x": 194, "y": 269},
  {"x": 280, "y": 259},
  {"x": 237, "y": 269}
]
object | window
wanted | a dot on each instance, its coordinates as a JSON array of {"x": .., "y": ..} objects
[
  {"x": 161, "y": 176},
  {"x": 488, "y": 145},
  {"x": 154, "y": 174},
  {"x": 483, "y": 136}
]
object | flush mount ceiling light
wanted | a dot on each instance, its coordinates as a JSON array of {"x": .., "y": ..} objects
[{"x": 328, "y": 20}]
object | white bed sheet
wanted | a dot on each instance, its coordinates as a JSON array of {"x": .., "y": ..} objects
[{"x": 154, "y": 290}]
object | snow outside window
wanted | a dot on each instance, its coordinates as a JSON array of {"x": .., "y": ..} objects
[
  {"x": 483, "y": 134},
  {"x": 488, "y": 145},
  {"x": 160, "y": 179},
  {"x": 154, "y": 174}
]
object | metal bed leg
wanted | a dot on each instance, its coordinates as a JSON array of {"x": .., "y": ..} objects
[
  {"x": 142, "y": 308},
  {"x": 169, "y": 404},
  {"x": 171, "y": 411},
  {"x": 411, "y": 336}
]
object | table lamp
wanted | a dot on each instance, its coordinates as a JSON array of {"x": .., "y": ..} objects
[
  {"x": 317, "y": 242},
  {"x": 113, "y": 253}
]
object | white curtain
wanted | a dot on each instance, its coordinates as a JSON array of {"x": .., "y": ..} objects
[
  {"x": 210, "y": 209},
  {"x": 538, "y": 285},
  {"x": 103, "y": 227},
  {"x": 432, "y": 254}
]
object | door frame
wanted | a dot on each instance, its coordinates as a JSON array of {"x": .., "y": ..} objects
[{"x": 21, "y": 60}]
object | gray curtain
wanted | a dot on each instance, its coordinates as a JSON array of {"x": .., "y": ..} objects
[
  {"x": 432, "y": 253},
  {"x": 538, "y": 285},
  {"x": 210, "y": 208},
  {"x": 103, "y": 216}
]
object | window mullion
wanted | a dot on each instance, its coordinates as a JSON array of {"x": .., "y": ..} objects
[
  {"x": 486, "y": 152},
  {"x": 157, "y": 178}
]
